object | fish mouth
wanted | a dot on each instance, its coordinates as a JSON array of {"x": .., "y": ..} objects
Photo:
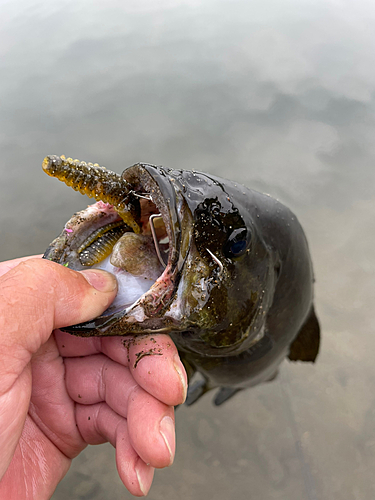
[{"x": 153, "y": 230}]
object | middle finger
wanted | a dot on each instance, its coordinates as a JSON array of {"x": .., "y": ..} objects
[{"x": 153, "y": 361}]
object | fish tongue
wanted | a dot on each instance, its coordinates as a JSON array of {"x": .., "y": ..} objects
[
  {"x": 136, "y": 266},
  {"x": 130, "y": 287},
  {"x": 135, "y": 253}
]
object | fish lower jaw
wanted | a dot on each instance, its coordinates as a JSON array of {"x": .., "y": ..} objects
[{"x": 136, "y": 322}]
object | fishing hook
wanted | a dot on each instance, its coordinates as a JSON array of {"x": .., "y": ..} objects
[
  {"x": 140, "y": 195},
  {"x": 218, "y": 262},
  {"x": 154, "y": 237}
]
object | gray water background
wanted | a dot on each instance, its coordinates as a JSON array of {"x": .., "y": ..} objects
[{"x": 278, "y": 95}]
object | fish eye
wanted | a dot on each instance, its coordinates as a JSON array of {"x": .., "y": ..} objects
[{"x": 237, "y": 243}]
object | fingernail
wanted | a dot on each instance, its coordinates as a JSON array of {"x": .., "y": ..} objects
[
  {"x": 142, "y": 478},
  {"x": 145, "y": 474},
  {"x": 179, "y": 367},
  {"x": 168, "y": 434},
  {"x": 100, "y": 280}
]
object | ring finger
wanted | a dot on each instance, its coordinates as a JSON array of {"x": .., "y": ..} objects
[{"x": 95, "y": 379}]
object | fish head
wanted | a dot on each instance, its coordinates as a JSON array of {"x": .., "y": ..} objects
[
  {"x": 225, "y": 270},
  {"x": 214, "y": 275}
]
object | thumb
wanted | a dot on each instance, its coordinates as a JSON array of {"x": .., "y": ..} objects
[{"x": 38, "y": 296}]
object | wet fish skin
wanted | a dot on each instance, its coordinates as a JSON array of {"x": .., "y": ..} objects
[
  {"x": 239, "y": 281},
  {"x": 262, "y": 307}
]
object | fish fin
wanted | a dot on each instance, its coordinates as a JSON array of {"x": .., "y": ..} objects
[
  {"x": 224, "y": 393},
  {"x": 195, "y": 391},
  {"x": 305, "y": 346},
  {"x": 190, "y": 370}
]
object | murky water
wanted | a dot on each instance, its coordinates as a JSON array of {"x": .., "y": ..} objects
[{"x": 277, "y": 95}]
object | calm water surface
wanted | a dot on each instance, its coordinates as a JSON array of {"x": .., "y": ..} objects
[{"x": 278, "y": 95}]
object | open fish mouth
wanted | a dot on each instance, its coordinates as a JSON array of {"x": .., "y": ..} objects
[
  {"x": 223, "y": 269},
  {"x": 139, "y": 230},
  {"x": 184, "y": 247}
]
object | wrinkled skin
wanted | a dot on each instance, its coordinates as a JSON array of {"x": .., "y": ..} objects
[
  {"x": 236, "y": 294},
  {"x": 59, "y": 393}
]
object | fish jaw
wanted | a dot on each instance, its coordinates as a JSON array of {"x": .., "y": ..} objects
[
  {"x": 212, "y": 303},
  {"x": 145, "y": 314}
]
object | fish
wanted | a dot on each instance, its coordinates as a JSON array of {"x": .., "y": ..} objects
[{"x": 224, "y": 270}]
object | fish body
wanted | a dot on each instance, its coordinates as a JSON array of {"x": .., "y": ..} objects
[{"x": 235, "y": 288}]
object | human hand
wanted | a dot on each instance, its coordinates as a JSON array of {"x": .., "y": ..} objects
[{"x": 59, "y": 393}]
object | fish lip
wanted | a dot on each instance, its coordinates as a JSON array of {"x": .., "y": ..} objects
[{"x": 145, "y": 315}]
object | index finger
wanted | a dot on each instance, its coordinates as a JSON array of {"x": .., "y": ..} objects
[{"x": 153, "y": 360}]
